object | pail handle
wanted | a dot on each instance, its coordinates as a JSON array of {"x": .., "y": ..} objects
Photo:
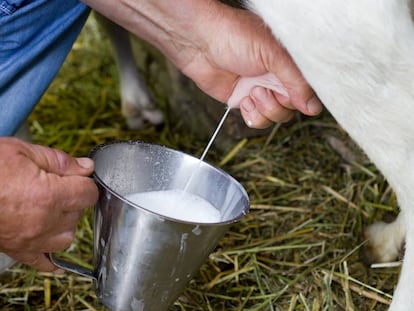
[{"x": 72, "y": 267}]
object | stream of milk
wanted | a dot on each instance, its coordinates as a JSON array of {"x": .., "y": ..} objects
[{"x": 218, "y": 128}]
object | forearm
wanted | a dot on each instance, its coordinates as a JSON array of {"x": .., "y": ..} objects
[
  {"x": 172, "y": 26},
  {"x": 215, "y": 45}
]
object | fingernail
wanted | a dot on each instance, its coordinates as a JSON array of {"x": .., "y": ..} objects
[
  {"x": 85, "y": 162},
  {"x": 314, "y": 105},
  {"x": 59, "y": 271}
]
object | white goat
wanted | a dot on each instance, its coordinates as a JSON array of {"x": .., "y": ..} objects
[{"x": 358, "y": 55}]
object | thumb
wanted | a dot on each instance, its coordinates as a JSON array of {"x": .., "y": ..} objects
[
  {"x": 300, "y": 95},
  {"x": 58, "y": 162}
]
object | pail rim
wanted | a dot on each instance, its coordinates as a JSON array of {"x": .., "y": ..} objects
[{"x": 99, "y": 180}]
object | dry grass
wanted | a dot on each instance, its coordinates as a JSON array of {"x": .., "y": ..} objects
[{"x": 300, "y": 247}]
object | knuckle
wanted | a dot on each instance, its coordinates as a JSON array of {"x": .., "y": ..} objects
[
  {"x": 31, "y": 233},
  {"x": 67, "y": 241},
  {"x": 63, "y": 161},
  {"x": 52, "y": 160},
  {"x": 31, "y": 259}
]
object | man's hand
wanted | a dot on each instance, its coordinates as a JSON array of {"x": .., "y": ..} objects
[
  {"x": 215, "y": 45},
  {"x": 42, "y": 195},
  {"x": 237, "y": 44}
]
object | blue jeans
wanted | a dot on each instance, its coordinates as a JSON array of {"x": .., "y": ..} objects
[{"x": 35, "y": 38}]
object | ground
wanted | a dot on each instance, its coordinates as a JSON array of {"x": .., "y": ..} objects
[{"x": 312, "y": 193}]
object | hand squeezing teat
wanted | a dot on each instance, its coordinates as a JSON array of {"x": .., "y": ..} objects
[
  {"x": 243, "y": 89},
  {"x": 246, "y": 84}
]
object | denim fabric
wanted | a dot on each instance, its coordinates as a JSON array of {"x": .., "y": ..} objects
[
  {"x": 8, "y": 7},
  {"x": 35, "y": 38}
]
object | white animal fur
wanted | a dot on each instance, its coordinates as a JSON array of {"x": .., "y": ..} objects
[
  {"x": 358, "y": 55},
  {"x": 385, "y": 240}
]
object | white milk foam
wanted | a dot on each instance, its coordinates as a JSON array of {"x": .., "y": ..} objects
[{"x": 177, "y": 204}]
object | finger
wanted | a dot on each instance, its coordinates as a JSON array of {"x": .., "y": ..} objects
[
  {"x": 39, "y": 261},
  {"x": 301, "y": 96},
  {"x": 49, "y": 237},
  {"x": 310, "y": 106},
  {"x": 56, "y": 243},
  {"x": 252, "y": 117},
  {"x": 73, "y": 193},
  {"x": 59, "y": 237},
  {"x": 59, "y": 162},
  {"x": 267, "y": 104},
  {"x": 48, "y": 241},
  {"x": 255, "y": 118}
]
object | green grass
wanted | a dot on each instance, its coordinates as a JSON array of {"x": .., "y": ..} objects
[{"x": 299, "y": 248}]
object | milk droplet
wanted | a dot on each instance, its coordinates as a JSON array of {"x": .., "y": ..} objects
[{"x": 196, "y": 230}]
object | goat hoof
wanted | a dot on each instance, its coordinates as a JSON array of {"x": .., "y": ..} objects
[{"x": 380, "y": 246}]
